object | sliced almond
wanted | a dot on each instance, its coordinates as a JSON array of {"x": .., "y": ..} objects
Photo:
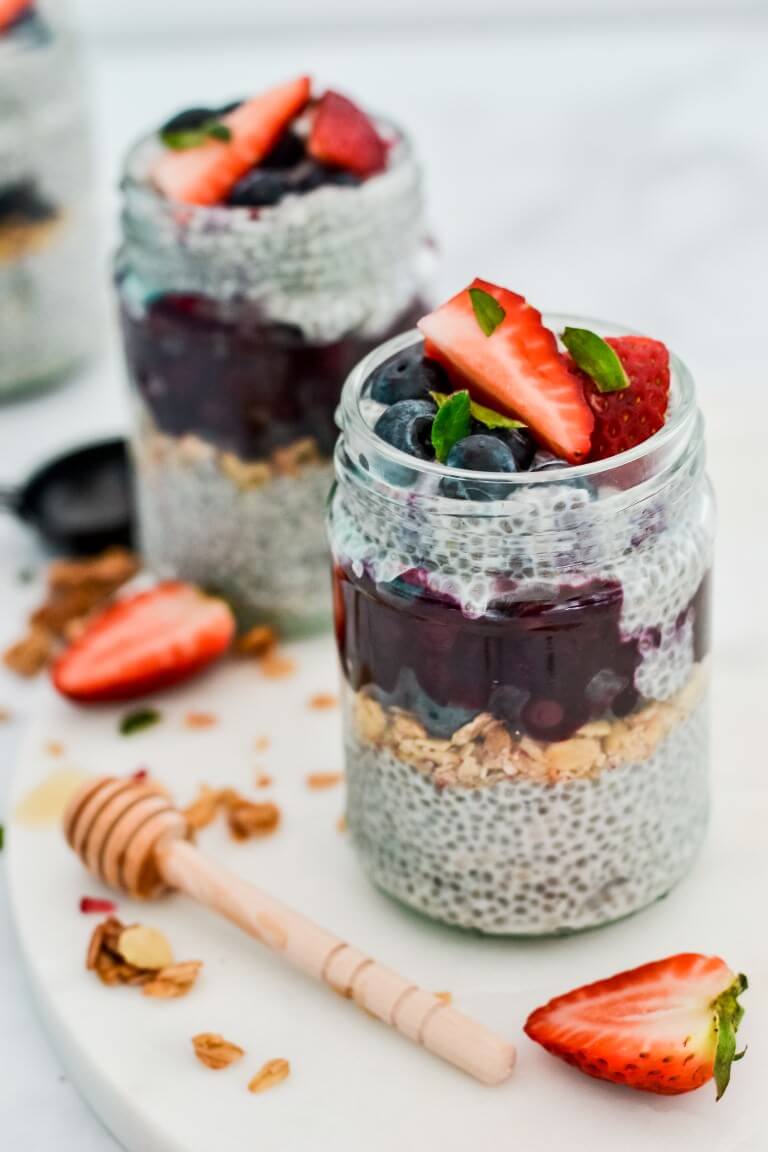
[
  {"x": 145, "y": 948},
  {"x": 271, "y": 1074},
  {"x": 174, "y": 981}
]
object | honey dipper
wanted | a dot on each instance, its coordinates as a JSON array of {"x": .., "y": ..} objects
[{"x": 127, "y": 832}]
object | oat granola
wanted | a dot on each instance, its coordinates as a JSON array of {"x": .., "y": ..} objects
[
  {"x": 483, "y": 751},
  {"x": 215, "y": 1052}
]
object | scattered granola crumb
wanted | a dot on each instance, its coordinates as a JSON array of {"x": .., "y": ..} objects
[
  {"x": 105, "y": 958},
  {"x": 5, "y": 715},
  {"x": 319, "y": 781},
  {"x": 277, "y": 667},
  {"x": 203, "y": 811},
  {"x": 323, "y": 701},
  {"x": 247, "y": 819},
  {"x": 216, "y": 1052},
  {"x": 144, "y": 948},
  {"x": 30, "y": 654},
  {"x": 263, "y": 780},
  {"x": 271, "y": 1074},
  {"x": 200, "y": 720},
  {"x": 262, "y": 743},
  {"x": 341, "y": 823},
  {"x": 258, "y": 641},
  {"x": 89, "y": 904},
  {"x": 446, "y": 997},
  {"x": 54, "y": 748},
  {"x": 173, "y": 982}
]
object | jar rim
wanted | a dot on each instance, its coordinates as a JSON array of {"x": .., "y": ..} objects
[{"x": 670, "y": 440}]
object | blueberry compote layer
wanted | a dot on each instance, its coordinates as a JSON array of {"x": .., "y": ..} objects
[
  {"x": 219, "y": 370},
  {"x": 544, "y": 667}
]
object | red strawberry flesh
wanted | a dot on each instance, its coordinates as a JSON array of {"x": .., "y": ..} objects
[
  {"x": 11, "y": 10},
  {"x": 664, "y": 1027},
  {"x": 145, "y": 642},
  {"x": 517, "y": 369},
  {"x": 207, "y": 173},
  {"x": 342, "y": 136},
  {"x": 629, "y": 417}
]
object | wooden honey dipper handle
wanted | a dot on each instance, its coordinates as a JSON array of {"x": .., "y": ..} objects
[{"x": 416, "y": 1013}]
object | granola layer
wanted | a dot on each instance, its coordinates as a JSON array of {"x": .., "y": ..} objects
[{"x": 484, "y": 751}]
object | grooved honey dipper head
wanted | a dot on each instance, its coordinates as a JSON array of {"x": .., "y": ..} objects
[{"x": 116, "y": 826}]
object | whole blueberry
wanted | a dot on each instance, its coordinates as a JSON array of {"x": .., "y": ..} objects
[
  {"x": 259, "y": 188},
  {"x": 408, "y": 376},
  {"x": 544, "y": 461},
  {"x": 407, "y": 425},
  {"x": 519, "y": 441},
  {"x": 478, "y": 453}
]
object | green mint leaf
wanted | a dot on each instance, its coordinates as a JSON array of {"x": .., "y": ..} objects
[
  {"x": 728, "y": 1016},
  {"x": 484, "y": 415},
  {"x": 138, "y": 720},
  {"x": 451, "y": 423},
  {"x": 218, "y": 131},
  {"x": 596, "y": 357},
  {"x": 488, "y": 312},
  {"x": 2, "y": 837}
]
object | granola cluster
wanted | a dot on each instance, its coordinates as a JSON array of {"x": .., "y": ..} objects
[
  {"x": 484, "y": 751},
  {"x": 139, "y": 956},
  {"x": 76, "y": 589},
  {"x": 246, "y": 819},
  {"x": 288, "y": 460}
]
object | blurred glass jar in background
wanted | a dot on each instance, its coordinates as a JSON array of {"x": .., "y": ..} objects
[
  {"x": 48, "y": 282},
  {"x": 240, "y": 326}
]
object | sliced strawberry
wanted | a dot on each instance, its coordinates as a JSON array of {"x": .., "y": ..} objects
[
  {"x": 144, "y": 642},
  {"x": 204, "y": 175},
  {"x": 10, "y": 10},
  {"x": 628, "y": 417},
  {"x": 344, "y": 137},
  {"x": 517, "y": 369},
  {"x": 665, "y": 1027}
]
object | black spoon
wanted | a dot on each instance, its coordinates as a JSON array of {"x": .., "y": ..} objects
[{"x": 80, "y": 502}]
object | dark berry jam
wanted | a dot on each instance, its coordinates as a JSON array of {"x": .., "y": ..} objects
[
  {"x": 544, "y": 667},
  {"x": 248, "y": 386}
]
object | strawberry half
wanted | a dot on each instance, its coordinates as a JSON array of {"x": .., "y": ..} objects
[
  {"x": 145, "y": 642},
  {"x": 628, "y": 417},
  {"x": 206, "y": 174},
  {"x": 11, "y": 10},
  {"x": 344, "y": 137},
  {"x": 517, "y": 369},
  {"x": 667, "y": 1027}
]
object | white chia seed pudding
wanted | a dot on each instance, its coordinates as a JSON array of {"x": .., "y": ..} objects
[
  {"x": 240, "y": 327},
  {"x": 47, "y": 261},
  {"x": 525, "y": 700}
]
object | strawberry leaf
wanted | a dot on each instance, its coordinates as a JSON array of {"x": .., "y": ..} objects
[
  {"x": 479, "y": 412},
  {"x": 728, "y": 1016},
  {"x": 488, "y": 312},
  {"x": 451, "y": 423},
  {"x": 596, "y": 357}
]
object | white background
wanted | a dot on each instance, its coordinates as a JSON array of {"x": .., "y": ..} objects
[{"x": 614, "y": 165}]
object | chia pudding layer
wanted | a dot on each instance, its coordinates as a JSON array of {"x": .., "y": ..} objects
[
  {"x": 240, "y": 325},
  {"x": 47, "y": 259},
  {"x": 525, "y": 673}
]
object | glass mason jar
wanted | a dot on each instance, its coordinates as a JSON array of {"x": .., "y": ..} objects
[
  {"x": 48, "y": 281},
  {"x": 525, "y": 672},
  {"x": 240, "y": 326}
]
